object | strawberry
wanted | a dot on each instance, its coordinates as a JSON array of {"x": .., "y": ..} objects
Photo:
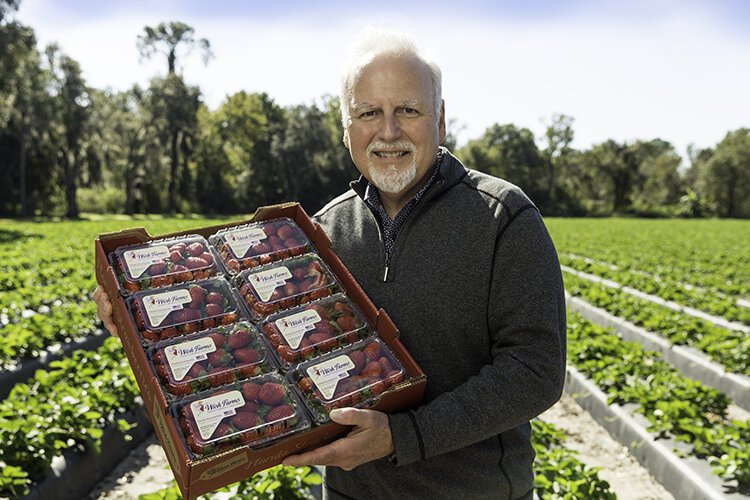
[
  {"x": 214, "y": 310},
  {"x": 271, "y": 393},
  {"x": 298, "y": 274},
  {"x": 323, "y": 341},
  {"x": 250, "y": 390},
  {"x": 280, "y": 412},
  {"x": 245, "y": 420},
  {"x": 180, "y": 389},
  {"x": 195, "y": 263},
  {"x": 163, "y": 371},
  {"x": 287, "y": 353},
  {"x": 195, "y": 249},
  {"x": 249, "y": 406},
  {"x": 219, "y": 357},
  {"x": 193, "y": 444},
  {"x": 175, "y": 256},
  {"x": 291, "y": 243},
  {"x": 306, "y": 348},
  {"x": 372, "y": 351},
  {"x": 178, "y": 247},
  {"x": 197, "y": 294},
  {"x": 196, "y": 371},
  {"x": 284, "y": 232},
  {"x": 246, "y": 356},
  {"x": 274, "y": 241},
  {"x": 157, "y": 268},
  {"x": 223, "y": 430},
  {"x": 359, "y": 360},
  {"x": 218, "y": 338},
  {"x": 207, "y": 257},
  {"x": 320, "y": 293},
  {"x": 275, "y": 339},
  {"x": 347, "y": 323},
  {"x": 229, "y": 318},
  {"x": 239, "y": 338},
  {"x": 221, "y": 377},
  {"x": 215, "y": 298},
  {"x": 378, "y": 386},
  {"x": 343, "y": 308},
  {"x": 386, "y": 364},
  {"x": 372, "y": 370},
  {"x": 290, "y": 289},
  {"x": 270, "y": 229},
  {"x": 394, "y": 377},
  {"x": 305, "y": 384},
  {"x": 250, "y": 370}
]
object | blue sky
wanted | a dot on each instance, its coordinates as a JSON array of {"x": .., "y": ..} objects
[{"x": 677, "y": 70}]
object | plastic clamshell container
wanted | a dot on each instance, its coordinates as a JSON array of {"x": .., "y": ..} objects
[
  {"x": 183, "y": 309},
  {"x": 353, "y": 376},
  {"x": 252, "y": 413},
  {"x": 210, "y": 359},
  {"x": 252, "y": 245},
  {"x": 285, "y": 284},
  {"x": 314, "y": 329},
  {"x": 162, "y": 263}
]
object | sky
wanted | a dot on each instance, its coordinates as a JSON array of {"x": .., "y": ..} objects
[{"x": 678, "y": 70}]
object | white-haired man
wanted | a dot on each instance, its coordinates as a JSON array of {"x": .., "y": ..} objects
[{"x": 464, "y": 266}]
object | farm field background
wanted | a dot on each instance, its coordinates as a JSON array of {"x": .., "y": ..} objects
[{"x": 682, "y": 269}]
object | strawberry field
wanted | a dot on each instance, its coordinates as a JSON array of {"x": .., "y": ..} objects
[{"x": 682, "y": 285}]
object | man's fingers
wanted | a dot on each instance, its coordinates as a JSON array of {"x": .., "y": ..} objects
[{"x": 318, "y": 456}]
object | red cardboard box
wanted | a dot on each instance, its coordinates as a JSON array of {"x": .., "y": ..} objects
[{"x": 198, "y": 476}]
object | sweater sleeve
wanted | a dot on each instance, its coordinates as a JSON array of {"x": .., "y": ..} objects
[{"x": 526, "y": 321}]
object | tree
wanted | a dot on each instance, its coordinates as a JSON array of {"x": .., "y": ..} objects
[
  {"x": 726, "y": 176},
  {"x": 73, "y": 108},
  {"x": 511, "y": 154},
  {"x": 169, "y": 39},
  {"x": 557, "y": 155}
]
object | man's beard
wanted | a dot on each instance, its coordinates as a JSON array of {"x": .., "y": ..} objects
[{"x": 391, "y": 179}]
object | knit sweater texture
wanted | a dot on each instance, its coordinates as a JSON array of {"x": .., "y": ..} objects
[{"x": 475, "y": 289}]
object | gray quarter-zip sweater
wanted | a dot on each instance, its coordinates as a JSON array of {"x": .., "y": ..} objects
[{"x": 474, "y": 286}]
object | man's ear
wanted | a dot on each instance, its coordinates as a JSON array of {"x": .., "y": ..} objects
[
  {"x": 441, "y": 123},
  {"x": 345, "y": 139}
]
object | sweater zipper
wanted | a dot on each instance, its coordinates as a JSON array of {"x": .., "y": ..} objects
[{"x": 406, "y": 224}]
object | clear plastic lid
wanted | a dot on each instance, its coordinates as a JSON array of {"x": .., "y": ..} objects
[
  {"x": 285, "y": 284},
  {"x": 162, "y": 263},
  {"x": 353, "y": 376},
  {"x": 314, "y": 329},
  {"x": 252, "y": 413},
  {"x": 185, "y": 308},
  {"x": 210, "y": 358},
  {"x": 252, "y": 245}
]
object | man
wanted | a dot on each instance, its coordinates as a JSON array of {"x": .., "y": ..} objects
[{"x": 463, "y": 264}]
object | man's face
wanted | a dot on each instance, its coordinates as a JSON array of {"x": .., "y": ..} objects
[{"x": 393, "y": 134}]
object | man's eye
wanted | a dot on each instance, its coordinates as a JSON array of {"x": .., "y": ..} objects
[
  {"x": 409, "y": 111},
  {"x": 368, "y": 114}
]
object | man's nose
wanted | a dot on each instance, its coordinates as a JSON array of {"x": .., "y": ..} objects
[{"x": 390, "y": 129}]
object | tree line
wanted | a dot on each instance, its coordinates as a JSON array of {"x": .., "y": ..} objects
[{"x": 67, "y": 148}]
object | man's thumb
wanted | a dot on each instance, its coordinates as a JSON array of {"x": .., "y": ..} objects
[{"x": 347, "y": 416}]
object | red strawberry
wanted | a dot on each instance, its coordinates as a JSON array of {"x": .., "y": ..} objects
[
  {"x": 207, "y": 257},
  {"x": 321, "y": 310},
  {"x": 196, "y": 371},
  {"x": 270, "y": 229},
  {"x": 215, "y": 298},
  {"x": 245, "y": 420},
  {"x": 271, "y": 393},
  {"x": 274, "y": 241},
  {"x": 249, "y": 406},
  {"x": 298, "y": 274},
  {"x": 175, "y": 256},
  {"x": 195, "y": 249},
  {"x": 218, "y": 358},
  {"x": 214, "y": 310},
  {"x": 347, "y": 323},
  {"x": 305, "y": 384},
  {"x": 157, "y": 268},
  {"x": 285, "y": 231},
  {"x": 195, "y": 263},
  {"x": 197, "y": 293},
  {"x": 359, "y": 360},
  {"x": 386, "y": 364},
  {"x": 291, "y": 243},
  {"x": 394, "y": 377},
  {"x": 280, "y": 412},
  {"x": 320, "y": 293},
  {"x": 250, "y": 370},
  {"x": 246, "y": 356},
  {"x": 222, "y": 377},
  {"x": 344, "y": 308},
  {"x": 163, "y": 371},
  {"x": 223, "y": 430},
  {"x": 323, "y": 341},
  {"x": 378, "y": 386},
  {"x": 287, "y": 353},
  {"x": 178, "y": 247},
  {"x": 306, "y": 348},
  {"x": 218, "y": 338},
  {"x": 372, "y": 370},
  {"x": 239, "y": 338},
  {"x": 372, "y": 351},
  {"x": 274, "y": 339},
  {"x": 180, "y": 389},
  {"x": 250, "y": 390}
]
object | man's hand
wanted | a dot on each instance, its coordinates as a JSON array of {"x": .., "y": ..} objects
[
  {"x": 369, "y": 440},
  {"x": 104, "y": 310}
]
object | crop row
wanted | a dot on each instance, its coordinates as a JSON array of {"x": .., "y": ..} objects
[
  {"x": 726, "y": 347},
  {"x": 668, "y": 288},
  {"x": 675, "y": 406},
  {"x": 65, "y": 408},
  {"x": 702, "y": 253}
]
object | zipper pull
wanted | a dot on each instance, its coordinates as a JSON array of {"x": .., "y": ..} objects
[{"x": 385, "y": 274}]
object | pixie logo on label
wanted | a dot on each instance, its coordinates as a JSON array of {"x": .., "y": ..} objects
[
  {"x": 138, "y": 261},
  {"x": 181, "y": 357},
  {"x": 209, "y": 412},
  {"x": 265, "y": 282},
  {"x": 294, "y": 326},
  {"x": 326, "y": 375},
  {"x": 159, "y": 306},
  {"x": 241, "y": 240}
]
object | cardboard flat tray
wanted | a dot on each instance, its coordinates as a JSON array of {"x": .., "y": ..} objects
[{"x": 198, "y": 476}]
